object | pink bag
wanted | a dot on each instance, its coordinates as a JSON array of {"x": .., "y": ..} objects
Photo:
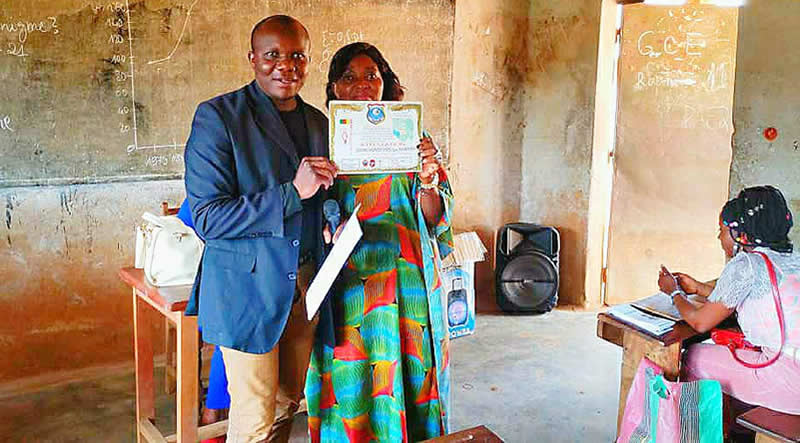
[{"x": 660, "y": 411}]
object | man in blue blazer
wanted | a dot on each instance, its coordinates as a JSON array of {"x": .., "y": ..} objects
[{"x": 255, "y": 162}]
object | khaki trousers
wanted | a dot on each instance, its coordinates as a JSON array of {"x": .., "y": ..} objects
[{"x": 265, "y": 389}]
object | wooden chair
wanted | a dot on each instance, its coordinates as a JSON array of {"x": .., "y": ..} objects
[
  {"x": 166, "y": 209},
  {"x": 771, "y": 426}
]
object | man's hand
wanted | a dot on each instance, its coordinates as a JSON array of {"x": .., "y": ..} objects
[
  {"x": 313, "y": 173},
  {"x": 326, "y": 233}
]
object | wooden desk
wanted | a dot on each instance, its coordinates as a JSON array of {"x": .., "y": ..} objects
[
  {"x": 665, "y": 351},
  {"x": 478, "y": 434},
  {"x": 170, "y": 302},
  {"x": 771, "y": 426}
]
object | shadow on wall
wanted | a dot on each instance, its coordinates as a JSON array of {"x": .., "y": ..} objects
[{"x": 485, "y": 301}]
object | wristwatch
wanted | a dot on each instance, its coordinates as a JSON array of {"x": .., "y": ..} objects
[{"x": 676, "y": 292}]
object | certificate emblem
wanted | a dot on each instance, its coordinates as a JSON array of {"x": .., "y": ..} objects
[{"x": 375, "y": 114}]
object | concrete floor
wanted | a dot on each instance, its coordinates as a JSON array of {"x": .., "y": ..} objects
[{"x": 529, "y": 379}]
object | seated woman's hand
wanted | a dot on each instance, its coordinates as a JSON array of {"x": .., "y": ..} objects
[
  {"x": 689, "y": 284},
  {"x": 666, "y": 283}
]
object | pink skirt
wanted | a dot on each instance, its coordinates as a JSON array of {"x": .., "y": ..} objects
[{"x": 776, "y": 387}]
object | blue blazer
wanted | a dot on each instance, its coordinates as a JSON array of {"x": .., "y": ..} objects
[{"x": 240, "y": 162}]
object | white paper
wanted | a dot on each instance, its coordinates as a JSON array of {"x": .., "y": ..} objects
[
  {"x": 655, "y": 325},
  {"x": 348, "y": 238},
  {"x": 660, "y": 304}
]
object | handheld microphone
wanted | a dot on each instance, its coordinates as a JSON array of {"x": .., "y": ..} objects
[{"x": 330, "y": 209}]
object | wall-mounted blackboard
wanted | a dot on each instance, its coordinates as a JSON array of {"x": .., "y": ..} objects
[{"x": 95, "y": 91}]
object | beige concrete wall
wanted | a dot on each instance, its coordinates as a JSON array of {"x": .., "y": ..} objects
[
  {"x": 767, "y": 95},
  {"x": 62, "y": 306},
  {"x": 523, "y": 91},
  {"x": 558, "y": 93}
]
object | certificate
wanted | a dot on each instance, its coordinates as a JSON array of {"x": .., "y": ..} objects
[{"x": 375, "y": 137}]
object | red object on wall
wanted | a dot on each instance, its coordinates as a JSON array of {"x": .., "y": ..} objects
[{"x": 771, "y": 134}]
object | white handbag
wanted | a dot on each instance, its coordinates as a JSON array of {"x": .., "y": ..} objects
[{"x": 167, "y": 250}]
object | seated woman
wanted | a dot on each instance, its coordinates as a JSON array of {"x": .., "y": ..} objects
[
  {"x": 757, "y": 220},
  {"x": 387, "y": 378}
]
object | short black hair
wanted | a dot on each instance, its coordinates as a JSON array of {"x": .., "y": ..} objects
[
  {"x": 392, "y": 89},
  {"x": 280, "y": 19}
]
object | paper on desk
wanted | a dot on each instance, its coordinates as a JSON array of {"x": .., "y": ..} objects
[
  {"x": 348, "y": 238},
  {"x": 660, "y": 304},
  {"x": 650, "y": 323}
]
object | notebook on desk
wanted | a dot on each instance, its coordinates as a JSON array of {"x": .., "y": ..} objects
[{"x": 660, "y": 304}]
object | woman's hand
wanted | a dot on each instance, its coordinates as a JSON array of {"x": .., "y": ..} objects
[
  {"x": 688, "y": 283},
  {"x": 430, "y": 162},
  {"x": 430, "y": 199},
  {"x": 666, "y": 282},
  {"x": 692, "y": 286}
]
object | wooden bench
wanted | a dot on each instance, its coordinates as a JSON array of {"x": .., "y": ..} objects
[
  {"x": 771, "y": 426},
  {"x": 478, "y": 434}
]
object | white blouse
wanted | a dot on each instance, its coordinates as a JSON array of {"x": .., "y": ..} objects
[{"x": 745, "y": 286}]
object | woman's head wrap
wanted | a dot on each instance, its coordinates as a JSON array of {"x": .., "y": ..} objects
[{"x": 761, "y": 214}]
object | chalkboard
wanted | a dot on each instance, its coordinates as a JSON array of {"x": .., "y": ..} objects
[
  {"x": 105, "y": 91},
  {"x": 673, "y": 152}
]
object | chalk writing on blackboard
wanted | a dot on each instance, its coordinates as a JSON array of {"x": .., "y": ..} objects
[
  {"x": 690, "y": 44},
  {"x": 21, "y": 30},
  {"x": 119, "y": 34},
  {"x": 127, "y": 81},
  {"x": 332, "y": 41},
  {"x": 663, "y": 76},
  {"x": 128, "y": 74},
  {"x": 180, "y": 37},
  {"x": 161, "y": 161},
  {"x": 114, "y": 7},
  {"x": 5, "y": 123},
  {"x": 680, "y": 115}
]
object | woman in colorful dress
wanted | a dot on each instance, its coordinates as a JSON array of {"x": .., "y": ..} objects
[
  {"x": 756, "y": 222},
  {"x": 387, "y": 376}
]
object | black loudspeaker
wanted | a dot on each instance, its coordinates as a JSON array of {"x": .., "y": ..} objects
[{"x": 526, "y": 272}]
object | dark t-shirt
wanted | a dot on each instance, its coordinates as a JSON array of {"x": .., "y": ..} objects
[{"x": 295, "y": 123}]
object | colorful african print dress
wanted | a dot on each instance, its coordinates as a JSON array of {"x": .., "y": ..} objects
[{"x": 387, "y": 378}]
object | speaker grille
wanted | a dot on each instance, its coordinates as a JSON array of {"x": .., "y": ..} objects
[
  {"x": 529, "y": 280},
  {"x": 526, "y": 273}
]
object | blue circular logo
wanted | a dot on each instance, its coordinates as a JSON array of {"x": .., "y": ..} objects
[{"x": 375, "y": 114}]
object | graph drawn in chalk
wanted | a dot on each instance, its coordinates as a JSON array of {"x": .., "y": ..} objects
[
  {"x": 180, "y": 37},
  {"x": 135, "y": 129},
  {"x": 133, "y": 87}
]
